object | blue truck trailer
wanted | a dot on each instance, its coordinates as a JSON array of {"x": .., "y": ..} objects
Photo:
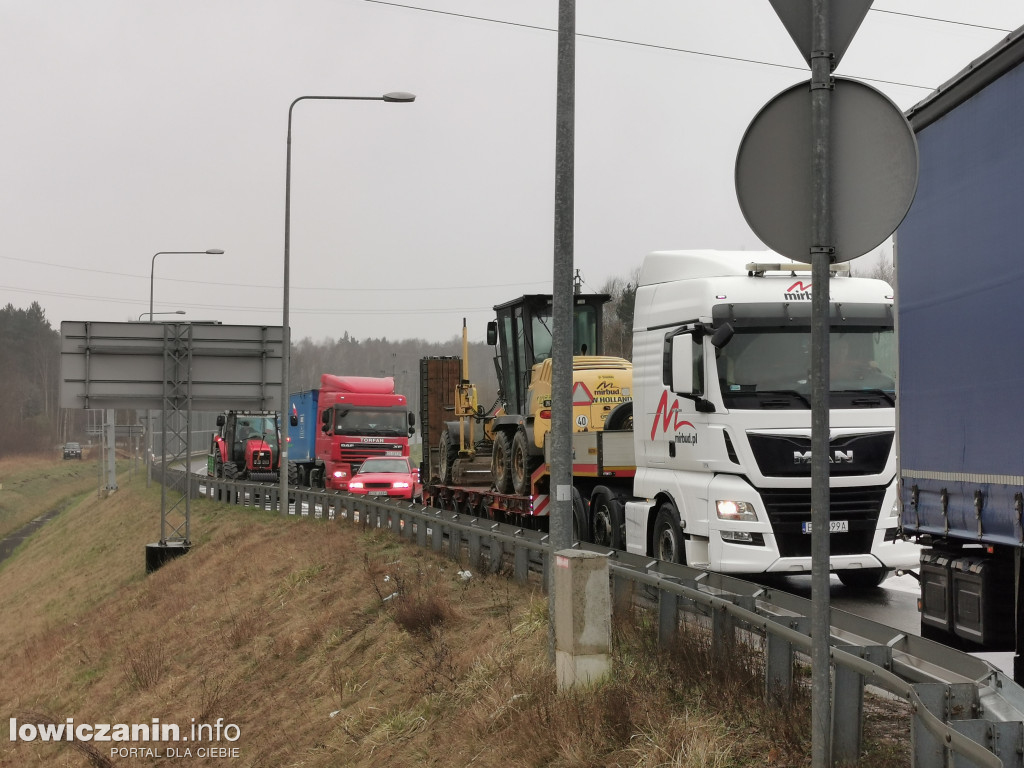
[{"x": 959, "y": 258}]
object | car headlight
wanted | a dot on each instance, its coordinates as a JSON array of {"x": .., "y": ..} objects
[
  {"x": 356, "y": 484},
  {"x": 400, "y": 484},
  {"x": 735, "y": 510}
]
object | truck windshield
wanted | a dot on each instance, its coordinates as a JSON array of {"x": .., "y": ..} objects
[
  {"x": 387, "y": 422},
  {"x": 772, "y": 366}
]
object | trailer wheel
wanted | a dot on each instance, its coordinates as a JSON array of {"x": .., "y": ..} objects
[
  {"x": 448, "y": 454},
  {"x": 523, "y": 464},
  {"x": 501, "y": 462},
  {"x": 668, "y": 536},
  {"x": 608, "y": 520},
  {"x": 863, "y": 578}
]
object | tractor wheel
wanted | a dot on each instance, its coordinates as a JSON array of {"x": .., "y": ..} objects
[
  {"x": 448, "y": 452},
  {"x": 621, "y": 417},
  {"x": 293, "y": 474},
  {"x": 501, "y": 462},
  {"x": 230, "y": 471},
  {"x": 218, "y": 464},
  {"x": 609, "y": 521},
  {"x": 523, "y": 464},
  {"x": 668, "y": 536}
]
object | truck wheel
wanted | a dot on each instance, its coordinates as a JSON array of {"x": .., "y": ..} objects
[
  {"x": 580, "y": 529},
  {"x": 608, "y": 520},
  {"x": 523, "y": 463},
  {"x": 448, "y": 453},
  {"x": 863, "y": 578},
  {"x": 230, "y": 471},
  {"x": 501, "y": 462},
  {"x": 668, "y": 537}
]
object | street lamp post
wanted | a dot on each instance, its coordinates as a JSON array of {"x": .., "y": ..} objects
[
  {"x": 396, "y": 97},
  {"x": 151, "y": 313},
  {"x": 152, "y": 266}
]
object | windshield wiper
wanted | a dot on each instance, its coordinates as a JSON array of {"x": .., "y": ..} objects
[
  {"x": 890, "y": 396},
  {"x": 790, "y": 392}
]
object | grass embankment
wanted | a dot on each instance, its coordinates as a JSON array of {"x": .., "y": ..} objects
[
  {"x": 330, "y": 646},
  {"x": 34, "y": 485}
]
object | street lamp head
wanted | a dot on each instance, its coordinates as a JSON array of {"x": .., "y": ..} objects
[
  {"x": 213, "y": 251},
  {"x": 399, "y": 96}
]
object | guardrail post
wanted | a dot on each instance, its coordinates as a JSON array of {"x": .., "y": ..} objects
[
  {"x": 668, "y": 616},
  {"x": 437, "y": 535},
  {"x": 496, "y": 553},
  {"x": 474, "y": 550},
  {"x": 779, "y": 657},
  {"x": 723, "y": 632},
  {"x": 947, "y": 702},
  {"x": 622, "y": 595},
  {"x": 522, "y": 564},
  {"x": 394, "y": 517},
  {"x": 455, "y": 544},
  {"x": 1004, "y": 739},
  {"x": 847, "y": 710}
]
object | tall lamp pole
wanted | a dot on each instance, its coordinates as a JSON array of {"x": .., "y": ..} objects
[
  {"x": 151, "y": 313},
  {"x": 152, "y": 267},
  {"x": 396, "y": 97}
]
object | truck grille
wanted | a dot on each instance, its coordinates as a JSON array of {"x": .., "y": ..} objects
[
  {"x": 789, "y": 508},
  {"x": 789, "y": 455}
]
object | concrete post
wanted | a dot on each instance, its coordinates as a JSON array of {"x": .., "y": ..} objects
[{"x": 583, "y": 612}]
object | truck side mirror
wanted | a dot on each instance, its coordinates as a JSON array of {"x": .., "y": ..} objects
[
  {"x": 722, "y": 336},
  {"x": 492, "y": 333},
  {"x": 325, "y": 417},
  {"x": 682, "y": 364}
]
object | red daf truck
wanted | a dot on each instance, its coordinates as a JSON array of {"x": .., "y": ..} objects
[{"x": 347, "y": 420}]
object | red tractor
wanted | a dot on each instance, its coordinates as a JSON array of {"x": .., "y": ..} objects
[{"x": 246, "y": 447}]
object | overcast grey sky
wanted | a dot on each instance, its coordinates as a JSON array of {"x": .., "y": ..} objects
[{"x": 137, "y": 126}]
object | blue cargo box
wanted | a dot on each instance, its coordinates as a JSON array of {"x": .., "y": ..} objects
[{"x": 302, "y": 436}]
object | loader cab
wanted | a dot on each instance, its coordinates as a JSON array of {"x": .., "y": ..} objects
[{"x": 523, "y": 335}]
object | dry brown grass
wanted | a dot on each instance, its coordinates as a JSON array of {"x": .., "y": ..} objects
[{"x": 330, "y": 646}]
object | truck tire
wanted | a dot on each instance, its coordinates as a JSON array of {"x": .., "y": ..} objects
[
  {"x": 621, "y": 417},
  {"x": 668, "y": 536},
  {"x": 608, "y": 519},
  {"x": 580, "y": 528},
  {"x": 501, "y": 462},
  {"x": 523, "y": 464},
  {"x": 448, "y": 452},
  {"x": 863, "y": 578}
]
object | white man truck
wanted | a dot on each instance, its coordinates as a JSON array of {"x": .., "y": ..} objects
[{"x": 722, "y": 420}]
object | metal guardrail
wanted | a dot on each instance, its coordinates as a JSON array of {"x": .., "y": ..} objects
[{"x": 965, "y": 712}]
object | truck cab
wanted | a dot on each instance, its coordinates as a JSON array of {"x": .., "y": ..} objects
[{"x": 722, "y": 418}]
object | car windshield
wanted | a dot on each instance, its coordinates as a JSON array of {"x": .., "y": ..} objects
[
  {"x": 72, "y": 445},
  {"x": 384, "y": 465}
]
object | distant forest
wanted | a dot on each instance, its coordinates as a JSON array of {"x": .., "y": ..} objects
[{"x": 31, "y": 420}]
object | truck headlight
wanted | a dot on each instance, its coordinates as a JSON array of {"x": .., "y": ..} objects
[
  {"x": 735, "y": 510},
  {"x": 895, "y": 511}
]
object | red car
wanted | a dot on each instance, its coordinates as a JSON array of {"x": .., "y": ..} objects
[{"x": 388, "y": 477}]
